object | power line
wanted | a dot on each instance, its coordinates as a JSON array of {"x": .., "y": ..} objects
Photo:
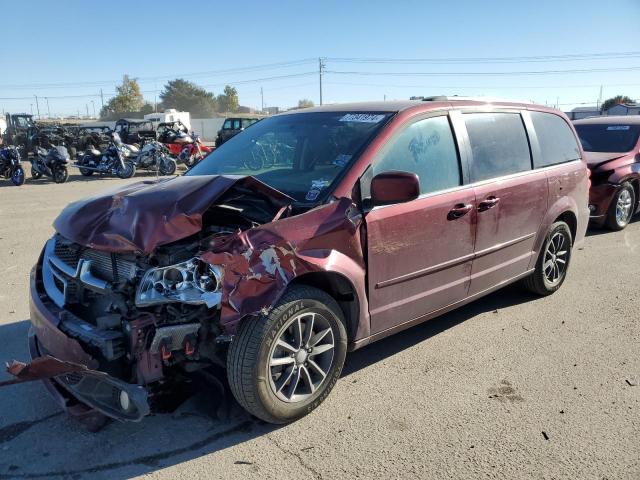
[
  {"x": 477, "y": 60},
  {"x": 449, "y": 74},
  {"x": 497, "y": 87}
]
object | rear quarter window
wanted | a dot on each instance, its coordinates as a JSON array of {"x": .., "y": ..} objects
[
  {"x": 499, "y": 145},
  {"x": 557, "y": 142}
]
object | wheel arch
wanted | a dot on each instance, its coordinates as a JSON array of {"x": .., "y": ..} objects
[{"x": 341, "y": 289}]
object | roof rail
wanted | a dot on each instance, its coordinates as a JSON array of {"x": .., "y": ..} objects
[{"x": 453, "y": 98}]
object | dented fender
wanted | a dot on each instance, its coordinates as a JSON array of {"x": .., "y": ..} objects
[{"x": 261, "y": 262}]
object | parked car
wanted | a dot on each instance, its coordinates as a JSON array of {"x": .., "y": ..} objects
[
  {"x": 233, "y": 126},
  {"x": 377, "y": 217},
  {"x": 612, "y": 151}
]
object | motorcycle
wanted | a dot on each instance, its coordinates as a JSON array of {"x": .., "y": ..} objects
[
  {"x": 52, "y": 164},
  {"x": 188, "y": 149},
  {"x": 153, "y": 156},
  {"x": 111, "y": 161},
  {"x": 10, "y": 166}
]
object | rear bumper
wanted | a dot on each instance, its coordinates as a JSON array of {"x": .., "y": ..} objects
[{"x": 95, "y": 390}]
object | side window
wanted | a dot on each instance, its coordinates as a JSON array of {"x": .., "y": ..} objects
[
  {"x": 236, "y": 125},
  {"x": 428, "y": 149},
  {"x": 557, "y": 142},
  {"x": 227, "y": 125},
  {"x": 499, "y": 144}
]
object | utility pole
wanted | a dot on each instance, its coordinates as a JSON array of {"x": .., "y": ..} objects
[
  {"x": 87, "y": 106},
  {"x": 37, "y": 106},
  {"x": 261, "y": 99},
  {"x": 101, "y": 98},
  {"x": 93, "y": 104},
  {"x": 320, "y": 70},
  {"x": 599, "y": 102},
  {"x": 48, "y": 111}
]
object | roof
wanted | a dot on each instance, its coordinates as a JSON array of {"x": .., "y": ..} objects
[
  {"x": 610, "y": 119},
  {"x": 593, "y": 108},
  {"x": 399, "y": 105}
]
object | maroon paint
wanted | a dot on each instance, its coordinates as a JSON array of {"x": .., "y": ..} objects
[{"x": 143, "y": 216}]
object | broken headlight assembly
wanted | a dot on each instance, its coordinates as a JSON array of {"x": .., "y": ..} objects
[{"x": 194, "y": 282}]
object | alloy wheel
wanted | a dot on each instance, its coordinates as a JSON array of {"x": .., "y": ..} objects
[
  {"x": 623, "y": 207},
  {"x": 555, "y": 258},
  {"x": 301, "y": 357}
]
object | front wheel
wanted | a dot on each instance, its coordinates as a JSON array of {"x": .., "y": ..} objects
[
  {"x": 553, "y": 261},
  {"x": 621, "y": 208},
  {"x": 167, "y": 166},
  {"x": 60, "y": 174},
  {"x": 17, "y": 176},
  {"x": 128, "y": 171},
  {"x": 85, "y": 172},
  {"x": 282, "y": 365}
]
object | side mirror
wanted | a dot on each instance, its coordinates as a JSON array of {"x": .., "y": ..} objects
[{"x": 394, "y": 187}]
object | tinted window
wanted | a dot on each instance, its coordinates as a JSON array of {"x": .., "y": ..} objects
[
  {"x": 602, "y": 137},
  {"x": 557, "y": 142},
  {"x": 426, "y": 148},
  {"x": 227, "y": 125},
  {"x": 499, "y": 145}
]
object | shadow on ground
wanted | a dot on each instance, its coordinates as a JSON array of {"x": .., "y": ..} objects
[{"x": 37, "y": 440}]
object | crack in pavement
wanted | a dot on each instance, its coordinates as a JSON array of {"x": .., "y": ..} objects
[
  {"x": 297, "y": 456},
  {"x": 147, "y": 460},
  {"x": 10, "y": 432}
]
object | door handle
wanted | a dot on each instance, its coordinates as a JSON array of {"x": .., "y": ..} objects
[
  {"x": 488, "y": 203},
  {"x": 460, "y": 210}
]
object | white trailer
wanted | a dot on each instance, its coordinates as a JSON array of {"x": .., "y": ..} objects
[{"x": 170, "y": 115}]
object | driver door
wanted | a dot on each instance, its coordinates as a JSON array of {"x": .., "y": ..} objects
[{"x": 420, "y": 252}]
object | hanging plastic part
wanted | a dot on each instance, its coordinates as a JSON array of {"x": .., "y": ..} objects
[{"x": 165, "y": 352}]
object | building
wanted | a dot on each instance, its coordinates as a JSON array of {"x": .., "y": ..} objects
[
  {"x": 624, "y": 109},
  {"x": 583, "y": 112}
]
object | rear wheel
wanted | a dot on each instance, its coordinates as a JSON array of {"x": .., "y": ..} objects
[
  {"x": 60, "y": 174},
  {"x": 282, "y": 365},
  {"x": 553, "y": 261},
  {"x": 35, "y": 174},
  {"x": 86, "y": 172},
  {"x": 621, "y": 208}
]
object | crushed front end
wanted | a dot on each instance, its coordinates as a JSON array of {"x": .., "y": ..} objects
[{"x": 138, "y": 323}]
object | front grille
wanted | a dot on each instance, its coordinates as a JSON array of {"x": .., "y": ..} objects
[{"x": 68, "y": 268}]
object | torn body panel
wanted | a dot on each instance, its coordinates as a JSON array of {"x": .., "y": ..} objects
[{"x": 259, "y": 263}]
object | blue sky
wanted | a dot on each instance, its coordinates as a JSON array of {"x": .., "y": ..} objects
[{"x": 74, "y": 48}]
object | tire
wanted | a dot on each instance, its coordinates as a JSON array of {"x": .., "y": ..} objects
[
  {"x": 60, "y": 174},
  {"x": 17, "y": 176},
  {"x": 85, "y": 172},
  {"x": 167, "y": 167},
  {"x": 263, "y": 389},
  {"x": 622, "y": 208},
  {"x": 35, "y": 175},
  {"x": 129, "y": 170},
  {"x": 541, "y": 281}
]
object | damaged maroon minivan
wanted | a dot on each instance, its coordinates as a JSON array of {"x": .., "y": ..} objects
[{"x": 361, "y": 220}]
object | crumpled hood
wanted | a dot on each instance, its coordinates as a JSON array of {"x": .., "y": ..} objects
[
  {"x": 143, "y": 216},
  {"x": 594, "y": 159}
]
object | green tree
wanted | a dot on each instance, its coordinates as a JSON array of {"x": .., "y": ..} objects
[
  {"x": 305, "y": 103},
  {"x": 228, "y": 100},
  {"x": 186, "y": 96},
  {"x": 128, "y": 99},
  {"x": 607, "y": 104}
]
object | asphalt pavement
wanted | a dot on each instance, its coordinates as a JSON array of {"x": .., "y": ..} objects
[{"x": 510, "y": 386}]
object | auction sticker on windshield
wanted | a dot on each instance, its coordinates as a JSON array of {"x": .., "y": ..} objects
[{"x": 362, "y": 118}]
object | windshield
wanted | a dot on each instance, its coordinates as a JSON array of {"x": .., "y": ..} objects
[
  {"x": 604, "y": 137},
  {"x": 300, "y": 154}
]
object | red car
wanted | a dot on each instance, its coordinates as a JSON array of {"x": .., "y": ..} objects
[
  {"x": 612, "y": 151},
  {"x": 373, "y": 218}
]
